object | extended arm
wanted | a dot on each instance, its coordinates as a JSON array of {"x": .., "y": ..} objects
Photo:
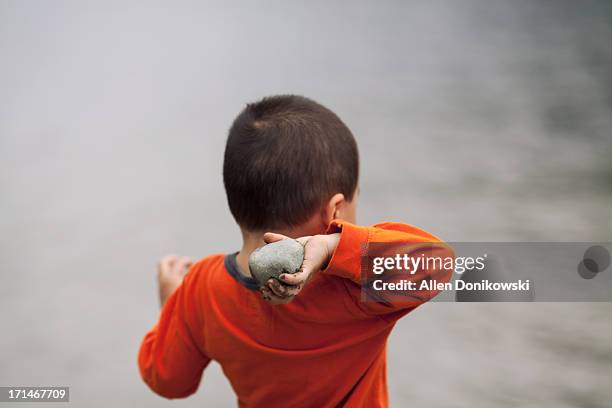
[
  {"x": 346, "y": 247},
  {"x": 171, "y": 361}
]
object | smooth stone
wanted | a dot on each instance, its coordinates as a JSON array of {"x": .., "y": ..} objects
[{"x": 271, "y": 260}]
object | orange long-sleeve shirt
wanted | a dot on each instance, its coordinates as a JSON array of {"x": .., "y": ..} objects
[{"x": 324, "y": 349}]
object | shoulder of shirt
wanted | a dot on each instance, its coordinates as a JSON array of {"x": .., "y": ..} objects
[
  {"x": 204, "y": 267},
  {"x": 207, "y": 263},
  {"x": 411, "y": 229},
  {"x": 203, "y": 270}
]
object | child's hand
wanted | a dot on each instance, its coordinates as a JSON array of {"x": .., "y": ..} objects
[
  {"x": 318, "y": 250},
  {"x": 171, "y": 271}
]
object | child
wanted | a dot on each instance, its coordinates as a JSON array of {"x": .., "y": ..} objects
[{"x": 291, "y": 166}]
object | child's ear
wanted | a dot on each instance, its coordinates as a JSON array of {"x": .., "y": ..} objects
[{"x": 333, "y": 208}]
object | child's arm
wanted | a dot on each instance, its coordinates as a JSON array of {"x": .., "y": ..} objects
[
  {"x": 170, "y": 361},
  {"x": 340, "y": 253}
]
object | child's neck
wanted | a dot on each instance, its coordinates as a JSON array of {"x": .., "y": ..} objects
[{"x": 249, "y": 244}]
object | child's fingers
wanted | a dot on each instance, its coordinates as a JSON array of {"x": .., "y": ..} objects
[
  {"x": 300, "y": 278},
  {"x": 182, "y": 265},
  {"x": 282, "y": 290},
  {"x": 265, "y": 293},
  {"x": 167, "y": 261},
  {"x": 294, "y": 279},
  {"x": 269, "y": 296},
  {"x": 270, "y": 237},
  {"x": 292, "y": 291},
  {"x": 182, "y": 261},
  {"x": 277, "y": 288}
]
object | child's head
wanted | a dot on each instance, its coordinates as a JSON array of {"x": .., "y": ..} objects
[{"x": 289, "y": 162}]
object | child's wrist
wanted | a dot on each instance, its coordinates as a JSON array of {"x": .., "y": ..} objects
[{"x": 332, "y": 241}]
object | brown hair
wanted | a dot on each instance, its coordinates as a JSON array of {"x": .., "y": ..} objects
[{"x": 285, "y": 156}]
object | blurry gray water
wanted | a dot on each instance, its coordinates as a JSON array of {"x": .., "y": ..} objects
[{"x": 477, "y": 120}]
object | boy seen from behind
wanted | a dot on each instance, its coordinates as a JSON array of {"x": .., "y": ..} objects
[{"x": 290, "y": 169}]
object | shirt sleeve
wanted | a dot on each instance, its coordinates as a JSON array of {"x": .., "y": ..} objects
[
  {"x": 358, "y": 244},
  {"x": 170, "y": 360}
]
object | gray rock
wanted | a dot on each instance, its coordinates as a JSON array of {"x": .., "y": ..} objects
[{"x": 269, "y": 261}]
